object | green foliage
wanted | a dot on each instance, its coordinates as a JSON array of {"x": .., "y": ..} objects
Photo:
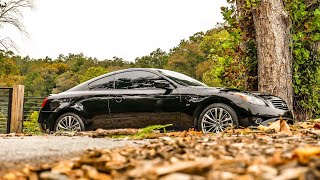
[
  {"x": 92, "y": 72},
  {"x": 147, "y": 130},
  {"x": 9, "y": 70},
  {"x": 65, "y": 81},
  {"x": 156, "y": 59},
  {"x": 186, "y": 57},
  {"x": 144, "y": 133},
  {"x": 31, "y": 125},
  {"x": 305, "y": 16},
  {"x": 42, "y": 77},
  {"x": 241, "y": 72}
]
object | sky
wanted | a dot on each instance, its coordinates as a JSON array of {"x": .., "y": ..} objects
[{"x": 108, "y": 28}]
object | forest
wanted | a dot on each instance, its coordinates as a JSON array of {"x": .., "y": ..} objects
[{"x": 224, "y": 56}]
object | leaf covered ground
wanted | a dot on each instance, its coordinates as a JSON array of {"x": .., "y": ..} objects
[{"x": 275, "y": 152}]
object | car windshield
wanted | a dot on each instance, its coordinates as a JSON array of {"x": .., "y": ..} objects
[{"x": 181, "y": 79}]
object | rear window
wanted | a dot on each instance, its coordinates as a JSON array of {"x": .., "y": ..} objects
[{"x": 103, "y": 83}]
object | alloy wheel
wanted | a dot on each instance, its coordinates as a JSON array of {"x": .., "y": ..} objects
[
  {"x": 216, "y": 120},
  {"x": 68, "y": 123}
]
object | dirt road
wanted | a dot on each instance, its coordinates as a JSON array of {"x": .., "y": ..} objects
[{"x": 18, "y": 151}]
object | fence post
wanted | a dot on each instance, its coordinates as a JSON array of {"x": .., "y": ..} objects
[
  {"x": 9, "y": 110},
  {"x": 17, "y": 109}
]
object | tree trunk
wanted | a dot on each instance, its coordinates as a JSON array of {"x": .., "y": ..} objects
[{"x": 272, "y": 27}]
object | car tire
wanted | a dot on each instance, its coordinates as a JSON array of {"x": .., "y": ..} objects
[
  {"x": 217, "y": 117},
  {"x": 69, "y": 122}
]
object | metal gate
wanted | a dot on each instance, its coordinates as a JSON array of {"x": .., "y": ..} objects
[
  {"x": 5, "y": 109},
  {"x": 31, "y": 105}
]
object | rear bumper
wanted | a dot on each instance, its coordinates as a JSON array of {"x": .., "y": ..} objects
[{"x": 44, "y": 120}]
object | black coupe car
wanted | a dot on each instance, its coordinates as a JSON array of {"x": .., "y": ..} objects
[{"x": 139, "y": 97}]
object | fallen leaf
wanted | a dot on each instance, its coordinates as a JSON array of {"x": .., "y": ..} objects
[
  {"x": 9, "y": 176},
  {"x": 276, "y": 159},
  {"x": 275, "y": 126},
  {"x": 258, "y": 170},
  {"x": 316, "y": 120},
  {"x": 182, "y": 176},
  {"x": 278, "y": 126},
  {"x": 316, "y": 126},
  {"x": 292, "y": 173},
  {"x": 284, "y": 127},
  {"x": 63, "y": 167},
  {"x": 183, "y": 166},
  {"x": 92, "y": 173},
  {"x": 221, "y": 175},
  {"x": 305, "y": 154},
  {"x": 305, "y": 125},
  {"x": 262, "y": 128}
]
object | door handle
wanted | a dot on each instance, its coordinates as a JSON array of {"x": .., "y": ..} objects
[{"x": 118, "y": 99}]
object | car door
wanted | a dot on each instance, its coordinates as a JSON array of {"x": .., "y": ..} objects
[
  {"x": 136, "y": 103},
  {"x": 96, "y": 103}
]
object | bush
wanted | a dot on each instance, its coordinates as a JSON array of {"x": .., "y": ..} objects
[{"x": 31, "y": 126}]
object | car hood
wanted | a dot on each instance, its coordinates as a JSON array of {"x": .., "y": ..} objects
[
  {"x": 216, "y": 90},
  {"x": 243, "y": 91},
  {"x": 265, "y": 96}
]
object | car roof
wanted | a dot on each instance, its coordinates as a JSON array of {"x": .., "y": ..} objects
[
  {"x": 126, "y": 70},
  {"x": 84, "y": 85},
  {"x": 132, "y": 69}
]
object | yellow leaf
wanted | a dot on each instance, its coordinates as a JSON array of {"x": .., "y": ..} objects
[
  {"x": 273, "y": 126},
  {"x": 305, "y": 125},
  {"x": 284, "y": 127},
  {"x": 63, "y": 167},
  {"x": 306, "y": 153},
  {"x": 9, "y": 176},
  {"x": 263, "y": 128}
]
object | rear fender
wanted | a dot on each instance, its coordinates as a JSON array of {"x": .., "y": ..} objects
[{"x": 66, "y": 109}]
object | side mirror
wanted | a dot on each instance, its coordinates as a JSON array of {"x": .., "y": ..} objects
[{"x": 163, "y": 84}]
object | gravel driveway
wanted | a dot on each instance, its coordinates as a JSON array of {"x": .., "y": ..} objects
[{"x": 18, "y": 151}]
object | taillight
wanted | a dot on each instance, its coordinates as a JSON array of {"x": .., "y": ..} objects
[{"x": 44, "y": 102}]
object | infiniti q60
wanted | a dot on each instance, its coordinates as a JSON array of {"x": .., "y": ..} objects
[{"x": 139, "y": 97}]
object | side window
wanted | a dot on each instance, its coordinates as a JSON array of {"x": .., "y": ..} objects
[
  {"x": 135, "y": 80},
  {"x": 103, "y": 83}
]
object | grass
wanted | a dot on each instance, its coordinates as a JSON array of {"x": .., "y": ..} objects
[{"x": 147, "y": 132}]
